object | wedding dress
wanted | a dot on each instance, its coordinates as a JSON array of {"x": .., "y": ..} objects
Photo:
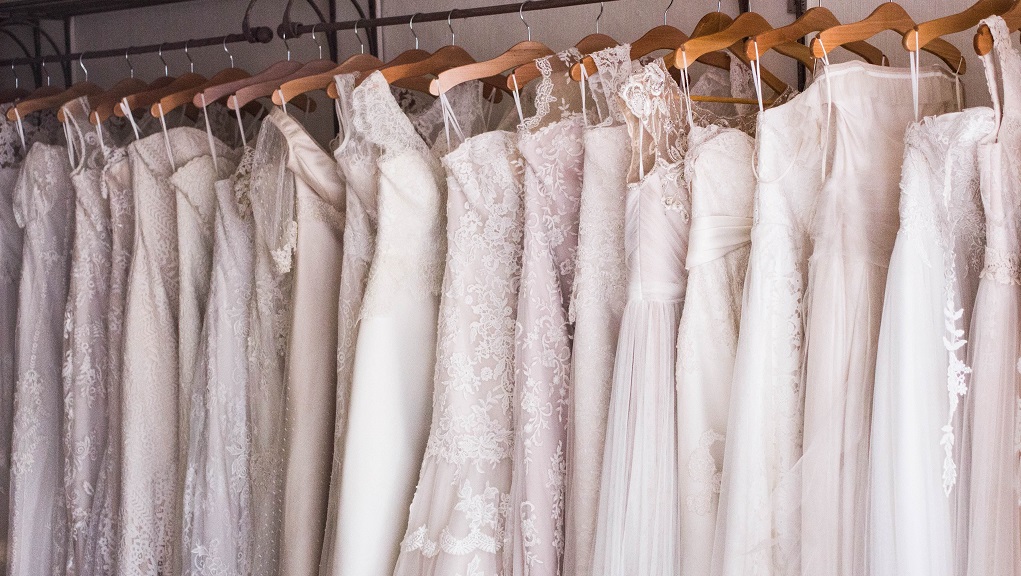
[
  {"x": 930, "y": 295},
  {"x": 311, "y": 376},
  {"x": 275, "y": 232},
  {"x": 86, "y": 338},
  {"x": 550, "y": 143},
  {"x": 854, "y": 231},
  {"x": 597, "y": 301},
  {"x": 994, "y": 400},
  {"x": 217, "y": 521},
  {"x": 636, "y": 531},
  {"x": 150, "y": 483},
  {"x": 459, "y": 511},
  {"x": 44, "y": 208}
]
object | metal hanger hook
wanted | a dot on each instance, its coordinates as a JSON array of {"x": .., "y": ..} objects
[
  {"x": 411, "y": 24},
  {"x": 131, "y": 67},
  {"x": 287, "y": 46},
  {"x": 359, "y": 36},
  {"x": 316, "y": 40},
  {"x": 166, "y": 67},
  {"x": 599, "y": 17},
  {"x": 81, "y": 62},
  {"x": 667, "y": 9},
  {"x": 451, "y": 27},
  {"x": 229, "y": 55},
  {"x": 191, "y": 63},
  {"x": 521, "y": 14},
  {"x": 719, "y": 5},
  {"x": 17, "y": 79},
  {"x": 42, "y": 64}
]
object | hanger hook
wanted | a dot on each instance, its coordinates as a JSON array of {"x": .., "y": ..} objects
[
  {"x": 17, "y": 79},
  {"x": 42, "y": 63},
  {"x": 166, "y": 67},
  {"x": 287, "y": 45},
  {"x": 411, "y": 24},
  {"x": 521, "y": 14},
  {"x": 229, "y": 55},
  {"x": 667, "y": 9},
  {"x": 451, "y": 27},
  {"x": 81, "y": 62},
  {"x": 359, "y": 36},
  {"x": 719, "y": 5},
  {"x": 191, "y": 63},
  {"x": 316, "y": 40},
  {"x": 131, "y": 67},
  {"x": 599, "y": 17}
]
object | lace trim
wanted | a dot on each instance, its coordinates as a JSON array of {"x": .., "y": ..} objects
[
  {"x": 614, "y": 67},
  {"x": 380, "y": 118},
  {"x": 1002, "y": 267},
  {"x": 706, "y": 474},
  {"x": 482, "y": 511}
]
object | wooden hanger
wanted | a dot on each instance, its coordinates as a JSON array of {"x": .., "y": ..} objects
[
  {"x": 587, "y": 45},
  {"x": 967, "y": 18},
  {"x": 293, "y": 88},
  {"x": 888, "y": 16},
  {"x": 146, "y": 98},
  {"x": 188, "y": 94},
  {"x": 815, "y": 19},
  {"x": 268, "y": 88},
  {"x": 516, "y": 55},
  {"x": 102, "y": 107},
  {"x": 730, "y": 38},
  {"x": 984, "y": 37},
  {"x": 56, "y": 101}
]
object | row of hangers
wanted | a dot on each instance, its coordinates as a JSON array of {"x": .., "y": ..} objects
[{"x": 714, "y": 41}]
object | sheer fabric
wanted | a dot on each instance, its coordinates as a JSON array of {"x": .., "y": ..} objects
[
  {"x": 854, "y": 231},
  {"x": 311, "y": 377},
  {"x": 597, "y": 302},
  {"x": 930, "y": 293},
  {"x": 459, "y": 511},
  {"x": 44, "y": 208},
  {"x": 994, "y": 509}
]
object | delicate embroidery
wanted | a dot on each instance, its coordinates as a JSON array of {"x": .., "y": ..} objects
[{"x": 705, "y": 473}]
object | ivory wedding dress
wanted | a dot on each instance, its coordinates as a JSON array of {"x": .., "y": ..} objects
[
  {"x": 44, "y": 208},
  {"x": 854, "y": 231},
  {"x": 994, "y": 402},
  {"x": 597, "y": 301}
]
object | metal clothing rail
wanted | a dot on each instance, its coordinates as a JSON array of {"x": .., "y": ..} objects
[
  {"x": 261, "y": 34},
  {"x": 459, "y": 13}
]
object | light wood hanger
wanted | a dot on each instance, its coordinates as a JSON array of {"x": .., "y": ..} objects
[
  {"x": 324, "y": 80},
  {"x": 268, "y": 88},
  {"x": 814, "y": 19},
  {"x": 145, "y": 99},
  {"x": 516, "y": 55},
  {"x": 407, "y": 57},
  {"x": 984, "y": 37},
  {"x": 587, "y": 45},
  {"x": 730, "y": 38},
  {"x": 56, "y": 101},
  {"x": 967, "y": 18},
  {"x": 102, "y": 107},
  {"x": 888, "y": 16},
  {"x": 185, "y": 96}
]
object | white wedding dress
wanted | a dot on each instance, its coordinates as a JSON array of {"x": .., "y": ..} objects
[
  {"x": 994, "y": 399},
  {"x": 854, "y": 231}
]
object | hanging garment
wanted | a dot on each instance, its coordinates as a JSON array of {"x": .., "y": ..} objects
[
  {"x": 86, "y": 337},
  {"x": 758, "y": 518},
  {"x": 217, "y": 521},
  {"x": 44, "y": 208},
  {"x": 930, "y": 293},
  {"x": 636, "y": 531},
  {"x": 550, "y": 143},
  {"x": 994, "y": 401},
  {"x": 311, "y": 378},
  {"x": 459, "y": 511},
  {"x": 597, "y": 301},
  {"x": 721, "y": 182},
  {"x": 150, "y": 490},
  {"x": 272, "y": 199},
  {"x": 38, "y": 127},
  {"x": 869, "y": 109}
]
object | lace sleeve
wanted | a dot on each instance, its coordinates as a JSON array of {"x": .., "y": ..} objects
[
  {"x": 272, "y": 195},
  {"x": 377, "y": 115}
]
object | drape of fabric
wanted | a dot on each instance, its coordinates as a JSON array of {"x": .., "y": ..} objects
[
  {"x": 44, "y": 208},
  {"x": 217, "y": 521},
  {"x": 150, "y": 467},
  {"x": 994, "y": 400},
  {"x": 597, "y": 302},
  {"x": 550, "y": 143},
  {"x": 311, "y": 377},
  {"x": 459, "y": 512},
  {"x": 720, "y": 179},
  {"x": 854, "y": 231},
  {"x": 86, "y": 338},
  {"x": 930, "y": 294},
  {"x": 273, "y": 205}
]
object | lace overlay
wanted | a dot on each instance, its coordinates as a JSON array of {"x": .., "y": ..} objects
[{"x": 462, "y": 502}]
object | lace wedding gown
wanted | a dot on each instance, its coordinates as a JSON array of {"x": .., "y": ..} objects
[
  {"x": 854, "y": 231},
  {"x": 217, "y": 521},
  {"x": 994, "y": 403},
  {"x": 459, "y": 511},
  {"x": 275, "y": 232},
  {"x": 636, "y": 531},
  {"x": 930, "y": 294},
  {"x": 311, "y": 377},
  {"x": 44, "y": 208},
  {"x": 597, "y": 301}
]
